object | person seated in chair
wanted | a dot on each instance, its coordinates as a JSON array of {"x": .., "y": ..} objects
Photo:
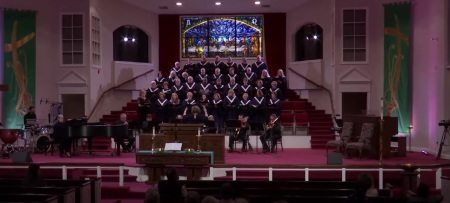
[
  {"x": 240, "y": 134},
  {"x": 149, "y": 124},
  {"x": 195, "y": 117},
  {"x": 129, "y": 137},
  {"x": 61, "y": 136},
  {"x": 272, "y": 134}
]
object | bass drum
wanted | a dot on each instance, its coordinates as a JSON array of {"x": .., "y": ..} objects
[{"x": 42, "y": 144}]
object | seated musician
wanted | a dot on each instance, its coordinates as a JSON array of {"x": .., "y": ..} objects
[
  {"x": 272, "y": 134},
  {"x": 61, "y": 136},
  {"x": 129, "y": 137},
  {"x": 240, "y": 134},
  {"x": 195, "y": 117},
  {"x": 149, "y": 124}
]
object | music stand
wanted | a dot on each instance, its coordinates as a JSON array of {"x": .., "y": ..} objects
[{"x": 256, "y": 128}]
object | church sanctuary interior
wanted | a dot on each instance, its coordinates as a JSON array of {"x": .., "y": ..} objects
[{"x": 260, "y": 101}]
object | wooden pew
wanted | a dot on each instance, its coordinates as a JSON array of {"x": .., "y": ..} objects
[
  {"x": 34, "y": 198},
  {"x": 64, "y": 194}
]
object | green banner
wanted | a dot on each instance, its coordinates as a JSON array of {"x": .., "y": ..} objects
[
  {"x": 397, "y": 68},
  {"x": 19, "y": 65}
]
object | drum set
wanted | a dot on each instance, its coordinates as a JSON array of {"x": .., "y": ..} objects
[{"x": 34, "y": 139}]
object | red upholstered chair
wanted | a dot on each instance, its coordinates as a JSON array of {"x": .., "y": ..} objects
[
  {"x": 301, "y": 120},
  {"x": 288, "y": 120},
  {"x": 287, "y": 106}
]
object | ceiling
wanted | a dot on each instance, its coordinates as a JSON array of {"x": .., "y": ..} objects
[{"x": 209, "y": 7}]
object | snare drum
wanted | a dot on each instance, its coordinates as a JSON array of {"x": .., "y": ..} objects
[{"x": 42, "y": 144}]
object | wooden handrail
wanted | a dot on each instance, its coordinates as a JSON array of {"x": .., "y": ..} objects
[
  {"x": 330, "y": 94},
  {"x": 113, "y": 88}
]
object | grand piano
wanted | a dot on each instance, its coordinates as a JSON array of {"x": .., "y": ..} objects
[{"x": 80, "y": 128}]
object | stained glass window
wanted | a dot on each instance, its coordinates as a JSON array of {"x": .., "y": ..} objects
[{"x": 235, "y": 36}]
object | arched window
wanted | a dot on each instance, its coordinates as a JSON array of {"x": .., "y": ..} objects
[
  {"x": 130, "y": 44},
  {"x": 309, "y": 42}
]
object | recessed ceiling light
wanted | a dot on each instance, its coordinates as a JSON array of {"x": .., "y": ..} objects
[
  {"x": 218, "y": 3},
  {"x": 257, "y": 2},
  {"x": 179, "y": 4}
]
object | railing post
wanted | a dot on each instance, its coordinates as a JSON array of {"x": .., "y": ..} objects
[
  {"x": 270, "y": 174},
  {"x": 438, "y": 178},
  {"x": 99, "y": 172},
  {"x": 306, "y": 174},
  {"x": 64, "y": 172},
  {"x": 120, "y": 175},
  {"x": 211, "y": 173},
  {"x": 344, "y": 175},
  {"x": 380, "y": 178},
  {"x": 234, "y": 173}
]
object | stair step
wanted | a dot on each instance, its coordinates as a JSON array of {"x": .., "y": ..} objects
[
  {"x": 111, "y": 178},
  {"x": 261, "y": 178},
  {"x": 248, "y": 173}
]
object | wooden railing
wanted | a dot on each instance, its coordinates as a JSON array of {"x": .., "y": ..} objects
[
  {"x": 330, "y": 94},
  {"x": 113, "y": 88}
]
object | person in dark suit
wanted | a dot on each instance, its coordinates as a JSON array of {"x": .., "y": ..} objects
[
  {"x": 30, "y": 115},
  {"x": 272, "y": 134},
  {"x": 33, "y": 179},
  {"x": 129, "y": 137},
  {"x": 195, "y": 117},
  {"x": 61, "y": 136}
]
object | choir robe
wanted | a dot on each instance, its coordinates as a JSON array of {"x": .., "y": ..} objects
[
  {"x": 199, "y": 78},
  {"x": 282, "y": 83},
  {"x": 160, "y": 81},
  {"x": 206, "y": 65},
  {"x": 193, "y": 87},
  {"x": 190, "y": 69},
  {"x": 229, "y": 76},
  {"x": 245, "y": 89},
  {"x": 174, "y": 109},
  {"x": 187, "y": 105},
  {"x": 242, "y": 68},
  {"x": 263, "y": 90},
  {"x": 206, "y": 89},
  {"x": 266, "y": 82},
  {"x": 221, "y": 66},
  {"x": 219, "y": 89},
  {"x": 152, "y": 95},
  {"x": 234, "y": 87},
  {"x": 231, "y": 105},
  {"x": 205, "y": 104},
  {"x": 178, "y": 71},
  {"x": 180, "y": 91},
  {"x": 244, "y": 107},
  {"x": 214, "y": 77},
  {"x": 143, "y": 108},
  {"x": 167, "y": 92},
  {"x": 258, "y": 67},
  {"x": 251, "y": 78},
  {"x": 258, "y": 109},
  {"x": 276, "y": 90},
  {"x": 229, "y": 65},
  {"x": 274, "y": 107},
  {"x": 171, "y": 81},
  {"x": 183, "y": 80},
  {"x": 162, "y": 110},
  {"x": 217, "y": 110}
]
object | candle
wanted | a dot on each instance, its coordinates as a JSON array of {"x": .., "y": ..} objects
[
  {"x": 381, "y": 109},
  {"x": 198, "y": 133},
  {"x": 153, "y": 130}
]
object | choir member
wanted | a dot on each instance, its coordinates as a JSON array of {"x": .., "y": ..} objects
[
  {"x": 217, "y": 111},
  {"x": 160, "y": 79},
  {"x": 272, "y": 134},
  {"x": 178, "y": 89},
  {"x": 204, "y": 104},
  {"x": 189, "y": 67},
  {"x": 206, "y": 65},
  {"x": 240, "y": 134},
  {"x": 217, "y": 75},
  {"x": 195, "y": 117},
  {"x": 259, "y": 66},
  {"x": 191, "y": 86},
  {"x": 275, "y": 89},
  {"x": 258, "y": 107},
  {"x": 245, "y": 88},
  {"x": 231, "y": 64},
  {"x": 232, "y": 74},
  {"x": 232, "y": 85},
  {"x": 152, "y": 94},
  {"x": 199, "y": 77},
  {"x": 143, "y": 106},
  {"x": 218, "y": 87},
  {"x": 188, "y": 103},
  {"x": 242, "y": 68},
  {"x": 274, "y": 104},
  {"x": 219, "y": 64},
  {"x": 148, "y": 124},
  {"x": 259, "y": 86},
  {"x": 161, "y": 108},
  {"x": 281, "y": 81},
  {"x": 231, "y": 103},
  {"x": 244, "y": 105},
  {"x": 129, "y": 137},
  {"x": 177, "y": 69},
  {"x": 166, "y": 89},
  {"x": 205, "y": 88},
  {"x": 251, "y": 76},
  {"x": 61, "y": 136},
  {"x": 174, "y": 107},
  {"x": 266, "y": 79},
  {"x": 172, "y": 77},
  {"x": 184, "y": 77}
]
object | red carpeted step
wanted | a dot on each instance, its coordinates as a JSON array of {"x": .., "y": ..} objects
[
  {"x": 248, "y": 173},
  {"x": 111, "y": 178},
  {"x": 104, "y": 172}
]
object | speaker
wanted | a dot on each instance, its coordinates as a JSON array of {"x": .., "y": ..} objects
[
  {"x": 22, "y": 157},
  {"x": 334, "y": 159}
]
